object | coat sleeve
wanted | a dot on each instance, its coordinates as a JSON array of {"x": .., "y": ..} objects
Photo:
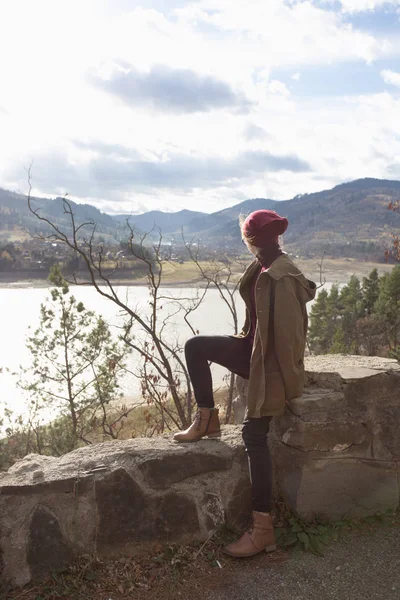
[
  {"x": 245, "y": 328},
  {"x": 290, "y": 335}
]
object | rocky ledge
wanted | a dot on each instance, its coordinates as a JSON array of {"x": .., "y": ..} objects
[
  {"x": 117, "y": 498},
  {"x": 336, "y": 451},
  {"x": 337, "y": 448}
]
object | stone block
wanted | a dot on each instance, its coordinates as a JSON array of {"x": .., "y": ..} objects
[
  {"x": 334, "y": 371},
  {"x": 319, "y": 405},
  {"x": 47, "y": 549},
  {"x": 161, "y": 472},
  {"x": 335, "y": 488},
  {"x": 334, "y": 436},
  {"x": 128, "y": 516},
  {"x": 175, "y": 516},
  {"x": 348, "y": 366}
]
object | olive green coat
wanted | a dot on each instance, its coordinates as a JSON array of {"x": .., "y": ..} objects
[{"x": 276, "y": 367}]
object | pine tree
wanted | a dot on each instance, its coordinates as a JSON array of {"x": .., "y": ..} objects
[
  {"x": 318, "y": 333},
  {"x": 333, "y": 311},
  {"x": 338, "y": 345},
  {"x": 370, "y": 291},
  {"x": 351, "y": 299},
  {"x": 74, "y": 373},
  {"x": 388, "y": 307},
  {"x": 358, "y": 319}
]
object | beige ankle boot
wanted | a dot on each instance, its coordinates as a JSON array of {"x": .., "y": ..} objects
[
  {"x": 260, "y": 537},
  {"x": 206, "y": 423}
]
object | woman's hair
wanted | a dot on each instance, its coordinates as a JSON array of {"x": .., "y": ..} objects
[
  {"x": 248, "y": 239},
  {"x": 251, "y": 239}
]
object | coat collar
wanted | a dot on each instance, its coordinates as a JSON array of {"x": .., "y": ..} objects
[
  {"x": 280, "y": 267},
  {"x": 283, "y": 266}
]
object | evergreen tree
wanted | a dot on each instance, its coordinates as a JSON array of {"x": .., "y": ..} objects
[
  {"x": 358, "y": 319},
  {"x": 75, "y": 370},
  {"x": 388, "y": 307},
  {"x": 338, "y": 344},
  {"x": 370, "y": 291},
  {"x": 351, "y": 299},
  {"x": 333, "y": 311},
  {"x": 318, "y": 335},
  {"x": 371, "y": 336}
]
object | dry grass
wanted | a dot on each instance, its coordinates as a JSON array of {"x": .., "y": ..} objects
[
  {"x": 334, "y": 269},
  {"x": 187, "y": 273},
  {"x": 170, "y": 572},
  {"x": 142, "y": 420},
  {"x": 340, "y": 270}
]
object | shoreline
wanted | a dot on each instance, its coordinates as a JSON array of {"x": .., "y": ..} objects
[
  {"x": 45, "y": 284},
  {"x": 334, "y": 270}
]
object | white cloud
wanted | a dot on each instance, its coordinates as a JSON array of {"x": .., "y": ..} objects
[
  {"x": 276, "y": 33},
  {"x": 254, "y": 132},
  {"x": 355, "y": 6},
  {"x": 278, "y": 87},
  {"x": 391, "y": 77},
  {"x": 55, "y": 112}
]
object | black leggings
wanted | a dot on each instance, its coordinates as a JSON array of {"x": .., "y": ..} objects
[{"x": 233, "y": 354}]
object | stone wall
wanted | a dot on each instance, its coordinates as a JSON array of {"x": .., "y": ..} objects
[
  {"x": 117, "y": 498},
  {"x": 336, "y": 451},
  {"x": 337, "y": 448}
]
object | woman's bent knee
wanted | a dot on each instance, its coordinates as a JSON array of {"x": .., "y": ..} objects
[
  {"x": 195, "y": 346},
  {"x": 199, "y": 344},
  {"x": 191, "y": 344}
]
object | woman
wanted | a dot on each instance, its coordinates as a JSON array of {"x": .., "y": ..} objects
[{"x": 269, "y": 352}]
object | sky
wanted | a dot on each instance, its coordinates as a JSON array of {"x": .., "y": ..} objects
[{"x": 135, "y": 105}]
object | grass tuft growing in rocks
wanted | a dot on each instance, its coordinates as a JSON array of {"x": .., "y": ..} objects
[{"x": 294, "y": 532}]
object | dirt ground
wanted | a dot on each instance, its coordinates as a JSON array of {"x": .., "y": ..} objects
[{"x": 363, "y": 566}]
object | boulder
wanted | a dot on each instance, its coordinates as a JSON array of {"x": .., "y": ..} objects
[{"x": 118, "y": 498}]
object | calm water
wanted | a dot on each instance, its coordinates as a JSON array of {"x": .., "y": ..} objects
[{"x": 20, "y": 310}]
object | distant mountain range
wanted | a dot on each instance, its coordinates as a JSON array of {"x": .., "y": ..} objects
[
  {"x": 350, "y": 219},
  {"x": 15, "y": 215},
  {"x": 167, "y": 222}
]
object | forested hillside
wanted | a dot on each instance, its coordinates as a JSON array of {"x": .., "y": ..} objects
[{"x": 351, "y": 220}]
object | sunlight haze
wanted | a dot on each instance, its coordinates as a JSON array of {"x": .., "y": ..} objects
[{"x": 140, "y": 105}]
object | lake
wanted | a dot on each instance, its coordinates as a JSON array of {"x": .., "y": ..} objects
[{"x": 20, "y": 310}]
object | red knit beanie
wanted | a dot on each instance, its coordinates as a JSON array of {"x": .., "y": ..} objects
[{"x": 264, "y": 226}]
